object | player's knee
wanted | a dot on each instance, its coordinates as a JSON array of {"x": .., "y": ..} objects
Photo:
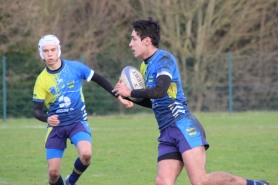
[
  {"x": 198, "y": 181},
  {"x": 158, "y": 181},
  {"x": 164, "y": 181},
  {"x": 54, "y": 173},
  {"x": 85, "y": 157}
]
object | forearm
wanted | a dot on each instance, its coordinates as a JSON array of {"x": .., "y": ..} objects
[
  {"x": 144, "y": 103},
  {"x": 38, "y": 112},
  {"x": 158, "y": 91},
  {"x": 149, "y": 93},
  {"x": 100, "y": 80}
]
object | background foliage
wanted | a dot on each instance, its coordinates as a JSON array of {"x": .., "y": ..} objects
[
  {"x": 254, "y": 84},
  {"x": 199, "y": 33}
]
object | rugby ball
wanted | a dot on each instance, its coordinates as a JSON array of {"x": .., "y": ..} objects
[{"x": 133, "y": 79}]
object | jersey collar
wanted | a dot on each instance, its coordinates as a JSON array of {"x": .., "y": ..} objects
[{"x": 57, "y": 70}]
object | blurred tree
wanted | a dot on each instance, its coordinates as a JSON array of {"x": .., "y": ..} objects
[
  {"x": 197, "y": 32},
  {"x": 16, "y": 26},
  {"x": 91, "y": 27},
  {"x": 192, "y": 28}
]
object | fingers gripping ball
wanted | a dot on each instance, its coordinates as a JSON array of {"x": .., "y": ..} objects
[{"x": 133, "y": 79}]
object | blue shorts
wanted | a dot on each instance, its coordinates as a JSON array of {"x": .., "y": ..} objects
[
  {"x": 185, "y": 134},
  {"x": 56, "y": 138}
]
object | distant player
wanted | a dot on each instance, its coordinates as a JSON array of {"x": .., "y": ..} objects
[
  {"x": 59, "y": 87},
  {"x": 182, "y": 140}
]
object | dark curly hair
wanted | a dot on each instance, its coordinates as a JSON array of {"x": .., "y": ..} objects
[{"x": 147, "y": 28}]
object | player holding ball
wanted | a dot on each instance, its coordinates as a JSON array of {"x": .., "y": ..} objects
[{"x": 182, "y": 140}]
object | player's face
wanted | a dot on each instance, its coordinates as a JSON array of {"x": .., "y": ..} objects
[
  {"x": 50, "y": 54},
  {"x": 138, "y": 46}
]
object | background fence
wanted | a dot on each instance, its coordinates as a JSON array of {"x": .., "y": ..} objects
[{"x": 224, "y": 83}]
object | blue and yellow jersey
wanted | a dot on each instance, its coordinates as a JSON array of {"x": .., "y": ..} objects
[
  {"x": 171, "y": 107},
  {"x": 61, "y": 91}
]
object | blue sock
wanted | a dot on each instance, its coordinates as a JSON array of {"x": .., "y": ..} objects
[
  {"x": 252, "y": 182},
  {"x": 78, "y": 169},
  {"x": 59, "y": 181}
]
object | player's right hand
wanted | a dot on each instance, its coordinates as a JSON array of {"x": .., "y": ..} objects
[{"x": 53, "y": 120}]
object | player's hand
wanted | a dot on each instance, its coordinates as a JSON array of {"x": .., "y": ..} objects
[
  {"x": 53, "y": 120},
  {"x": 128, "y": 104},
  {"x": 121, "y": 89}
]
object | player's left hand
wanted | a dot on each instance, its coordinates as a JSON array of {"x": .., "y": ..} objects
[
  {"x": 53, "y": 120},
  {"x": 128, "y": 104}
]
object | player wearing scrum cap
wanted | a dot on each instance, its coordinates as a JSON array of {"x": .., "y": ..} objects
[{"x": 59, "y": 87}]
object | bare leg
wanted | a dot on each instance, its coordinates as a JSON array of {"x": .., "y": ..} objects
[
  {"x": 54, "y": 169},
  {"x": 195, "y": 163},
  {"x": 84, "y": 149},
  {"x": 168, "y": 171}
]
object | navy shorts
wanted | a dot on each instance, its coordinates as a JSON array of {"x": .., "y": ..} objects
[
  {"x": 56, "y": 138},
  {"x": 185, "y": 134}
]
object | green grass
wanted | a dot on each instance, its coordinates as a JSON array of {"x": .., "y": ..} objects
[{"x": 125, "y": 149}]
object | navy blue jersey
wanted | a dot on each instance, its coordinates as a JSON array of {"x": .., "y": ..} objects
[
  {"x": 61, "y": 91},
  {"x": 171, "y": 107}
]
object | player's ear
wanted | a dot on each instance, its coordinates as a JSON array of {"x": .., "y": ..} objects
[{"x": 147, "y": 41}]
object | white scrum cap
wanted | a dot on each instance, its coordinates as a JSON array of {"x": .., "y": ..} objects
[{"x": 49, "y": 39}]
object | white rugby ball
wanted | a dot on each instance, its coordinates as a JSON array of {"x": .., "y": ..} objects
[{"x": 133, "y": 79}]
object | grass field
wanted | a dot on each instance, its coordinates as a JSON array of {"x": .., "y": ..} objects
[{"x": 125, "y": 149}]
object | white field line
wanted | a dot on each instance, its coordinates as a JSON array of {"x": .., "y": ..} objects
[{"x": 3, "y": 127}]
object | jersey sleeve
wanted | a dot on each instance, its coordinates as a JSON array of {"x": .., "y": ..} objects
[
  {"x": 39, "y": 94},
  {"x": 165, "y": 67},
  {"x": 86, "y": 72}
]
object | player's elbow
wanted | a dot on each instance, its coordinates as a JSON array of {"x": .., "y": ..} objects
[
  {"x": 35, "y": 113},
  {"x": 161, "y": 94},
  {"x": 39, "y": 115}
]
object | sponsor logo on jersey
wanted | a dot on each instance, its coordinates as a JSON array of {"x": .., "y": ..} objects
[
  {"x": 52, "y": 90},
  {"x": 71, "y": 84},
  {"x": 191, "y": 131},
  {"x": 62, "y": 110},
  {"x": 150, "y": 78}
]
